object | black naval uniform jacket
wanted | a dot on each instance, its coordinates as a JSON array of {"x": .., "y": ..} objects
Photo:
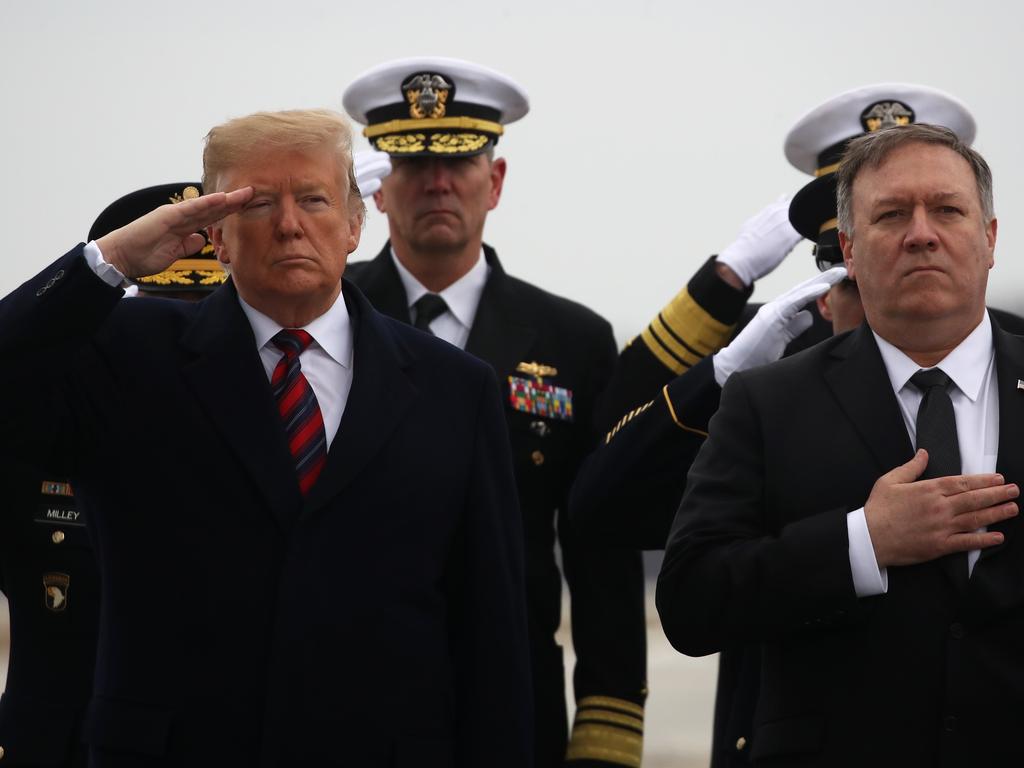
[
  {"x": 923, "y": 675},
  {"x": 49, "y": 575},
  {"x": 380, "y": 621},
  {"x": 519, "y": 323}
]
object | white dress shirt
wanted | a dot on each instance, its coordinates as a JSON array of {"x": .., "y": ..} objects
[
  {"x": 975, "y": 397},
  {"x": 326, "y": 363},
  {"x": 462, "y": 298}
]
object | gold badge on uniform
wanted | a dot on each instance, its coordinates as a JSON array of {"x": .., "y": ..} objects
[
  {"x": 427, "y": 95},
  {"x": 55, "y": 589},
  {"x": 886, "y": 114}
]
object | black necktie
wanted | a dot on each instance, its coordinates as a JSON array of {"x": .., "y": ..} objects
[
  {"x": 936, "y": 424},
  {"x": 428, "y": 308},
  {"x": 936, "y": 433}
]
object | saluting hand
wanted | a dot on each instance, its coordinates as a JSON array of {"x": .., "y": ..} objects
[
  {"x": 153, "y": 242},
  {"x": 913, "y": 521}
]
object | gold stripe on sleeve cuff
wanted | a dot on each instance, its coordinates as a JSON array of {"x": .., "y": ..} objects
[
  {"x": 683, "y": 333},
  {"x": 607, "y": 730}
]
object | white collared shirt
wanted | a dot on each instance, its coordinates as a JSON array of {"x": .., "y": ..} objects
[
  {"x": 975, "y": 397},
  {"x": 326, "y": 362},
  {"x": 462, "y": 298}
]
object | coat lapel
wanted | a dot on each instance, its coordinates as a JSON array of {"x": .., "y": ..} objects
[
  {"x": 381, "y": 395},
  {"x": 861, "y": 385},
  {"x": 500, "y": 335},
  {"x": 228, "y": 378},
  {"x": 997, "y": 579},
  {"x": 379, "y": 282}
]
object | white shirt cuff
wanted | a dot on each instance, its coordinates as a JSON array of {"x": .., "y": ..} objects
[
  {"x": 868, "y": 578},
  {"x": 108, "y": 273}
]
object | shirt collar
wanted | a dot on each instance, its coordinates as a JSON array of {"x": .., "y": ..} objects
[
  {"x": 966, "y": 365},
  {"x": 332, "y": 331},
  {"x": 462, "y": 296}
]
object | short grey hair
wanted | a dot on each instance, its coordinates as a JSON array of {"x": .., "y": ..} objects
[{"x": 871, "y": 149}]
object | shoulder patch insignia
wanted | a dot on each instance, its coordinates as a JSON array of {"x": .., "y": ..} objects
[
  {"x": 55, "y": 591},
  {"x": 540, "y": 399}
]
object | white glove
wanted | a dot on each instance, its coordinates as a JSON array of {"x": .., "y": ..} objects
[
  {"x": 764, "y": 241},
  {"x": 775, "y": 325},
  {"x": 370, "y": 167}
]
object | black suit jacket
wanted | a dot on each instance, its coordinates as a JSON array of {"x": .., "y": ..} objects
[
  {"x": 921, "y": 675},
  {"x": 516, "y": 322},
  {"x": 378, "y": 622}
]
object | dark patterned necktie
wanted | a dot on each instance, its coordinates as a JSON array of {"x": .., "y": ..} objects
[
  {"x": 428, "y": 308},
  {"x": 936, "y": 433},
  {"x": 299, "y": 409}
]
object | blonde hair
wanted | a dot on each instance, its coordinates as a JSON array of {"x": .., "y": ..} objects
[{"x": 238, "y": 140}]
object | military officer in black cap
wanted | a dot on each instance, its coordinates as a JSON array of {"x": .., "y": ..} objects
[
  {"x": 439, "y": 119},
  {"x": 52, "y": 583}
]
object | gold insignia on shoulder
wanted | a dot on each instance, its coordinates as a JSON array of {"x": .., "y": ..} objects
[
  {"x": 886, "y": 114},
  {"x": 427, "y": 95},
  {"x": 537, "y": 370},
  {"x": 55, "y": 591},
  {"x": 188, "y": 193},
  {"x": 56, "y": 488}
]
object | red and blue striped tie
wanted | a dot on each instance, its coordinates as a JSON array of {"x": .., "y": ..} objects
[{"x": 300, "y": 412}]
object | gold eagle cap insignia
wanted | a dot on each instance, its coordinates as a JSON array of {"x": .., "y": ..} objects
[
  {"x": 427, "y": 95},
  {"x": 188, "y": 193},
  {"x": 539, "y": 370},
  {"x": 886, "y": 114}
]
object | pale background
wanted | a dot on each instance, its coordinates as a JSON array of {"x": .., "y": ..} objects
[
  {"x": 656, "y": 126},
  {"x": 656, "y": 129}
]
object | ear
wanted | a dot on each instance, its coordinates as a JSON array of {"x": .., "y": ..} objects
[
  {"x": 990, "y": 237},
  {"x": 216, "y": 235},
  {"x": 378, "y": 198},
  {"x": 824, "y": 305},
  {"x": 498, "y": 169},
  {"x": 355, "y": 231},
  {"x": 846, "y": 246}
]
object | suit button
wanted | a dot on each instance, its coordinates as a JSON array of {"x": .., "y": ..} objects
[
  {"x": 1, "y": 753},
  {"x": 538, "y": 458},
  {"x": 741, "y": 742},
  {"x": 957, "y": 630},
  {"x": 949, "y": 724},
  {"x": 58, "y": 537}
]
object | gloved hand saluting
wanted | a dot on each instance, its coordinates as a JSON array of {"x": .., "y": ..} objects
[
  {"x": 775, "y": 325},
  {"x": 764, "y": 241},
  {"x": 370, "y": 167}
]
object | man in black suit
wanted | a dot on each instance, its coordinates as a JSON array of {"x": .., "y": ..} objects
[
  {"x": 439, "y": 119},
  {"x": 336, "y": 591},
  {"x": 885, "y": 593}
]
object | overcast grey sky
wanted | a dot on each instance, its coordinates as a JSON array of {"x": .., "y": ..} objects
[{"x": 656, "y": 127}]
